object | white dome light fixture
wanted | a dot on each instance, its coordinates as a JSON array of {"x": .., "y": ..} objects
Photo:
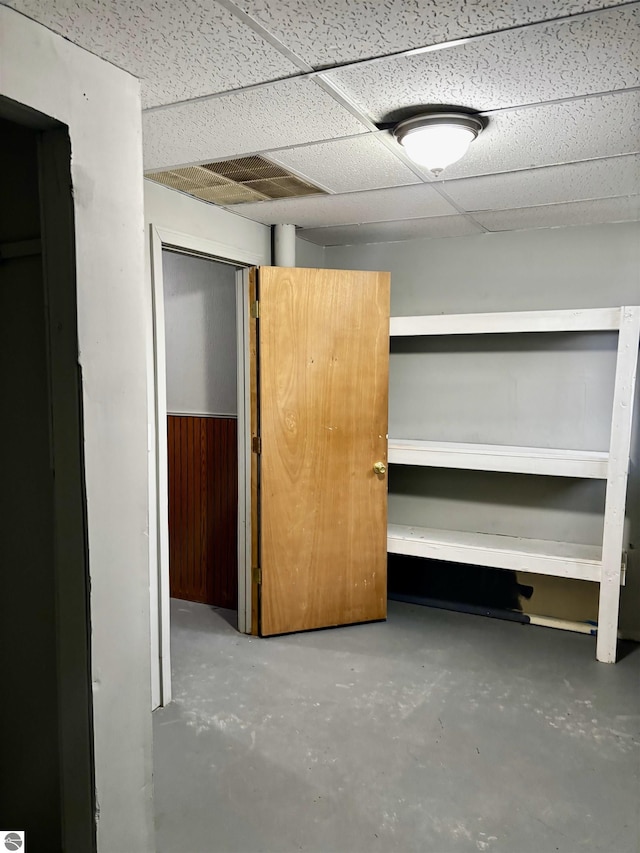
[{"x": 436, "y": 140}]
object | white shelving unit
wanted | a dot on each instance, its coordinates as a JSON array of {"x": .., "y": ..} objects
[
  {"x": 493, "y": 457},
  {"x": 602, "y": 564}
]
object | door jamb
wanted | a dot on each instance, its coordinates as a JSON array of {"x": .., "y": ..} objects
[{"x": 163, "y": 238}]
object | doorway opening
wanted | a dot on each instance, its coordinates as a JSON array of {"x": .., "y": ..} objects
[
  {"x": 200, "y": 532},
  {"x": 47, "y": 789},
  {"x": 202, "y": 435}
]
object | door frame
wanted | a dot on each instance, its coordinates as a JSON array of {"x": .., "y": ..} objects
[{"x": 163, "y": 238}]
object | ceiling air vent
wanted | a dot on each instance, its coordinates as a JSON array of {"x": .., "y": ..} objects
[{"x": 235, "y": 181}]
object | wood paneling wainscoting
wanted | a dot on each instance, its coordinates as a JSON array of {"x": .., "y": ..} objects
[{"x": 203, "y": 509}]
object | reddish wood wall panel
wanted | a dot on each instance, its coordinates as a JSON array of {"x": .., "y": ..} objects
[{"x": 203, "y": 509}]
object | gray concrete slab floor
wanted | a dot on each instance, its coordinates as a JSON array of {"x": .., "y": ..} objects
[{"x": 434, "y": 731}]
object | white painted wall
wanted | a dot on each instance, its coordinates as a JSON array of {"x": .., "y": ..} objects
[
  {"x": 549, "y": 395},
  {"x": 101, "y": 106},
  {"x": 200, "y": 335},
  {"x": 175, "y": 211}
]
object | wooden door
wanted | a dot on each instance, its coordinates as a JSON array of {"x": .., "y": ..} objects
[{"x": 322, "y": 366}]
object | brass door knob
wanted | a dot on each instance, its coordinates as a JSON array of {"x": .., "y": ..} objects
[{"x": 379, "y": 467}]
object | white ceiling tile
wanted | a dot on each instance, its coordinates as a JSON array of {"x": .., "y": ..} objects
[
  {"x": 190, "y": 48},
  {"x": 389, "y": 232},
  {"x": 347, "y": 165},
  {"x": 351, "y": 208},
  {"x": 596, "y": 53},
  {"x": 325, "y": 33},
  {"x": 616, "y": 176},
  {"x": 179, "y": 50},
  {"x": 554, "y": 133},
  {"x": 291, "y": 112},
  {"x": 593, "y": 212}
]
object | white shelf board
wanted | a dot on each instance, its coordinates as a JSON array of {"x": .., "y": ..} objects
[
  {"x": 494, "y": 457},
  {"x": 505, "y": 322},
  {"x": 539, "y": 556}
]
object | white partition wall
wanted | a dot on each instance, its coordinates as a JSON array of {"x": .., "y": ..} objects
[{"x": 100, "y": 105}]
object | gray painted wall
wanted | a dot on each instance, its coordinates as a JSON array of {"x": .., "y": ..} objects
[
  {"x": 309, "y": 255},
  {"x": 547, "y": 390},
  {"x": 200, "y": 335},
  {"x": 586, "y": 267}
]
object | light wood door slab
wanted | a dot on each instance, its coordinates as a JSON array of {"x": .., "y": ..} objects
[{"x": 323, "y": 397}]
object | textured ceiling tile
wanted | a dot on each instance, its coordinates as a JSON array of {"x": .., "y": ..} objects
[
  {"x": 332, "y": 31},
  {"x": 351, "y": 208},
  {"x": 597, "y": 53},
  {"x": 593, "y": 212},
  {"x": 347, "y": 165},
  {"x": 179, "y": 50},
  {"x": 556, "y": 133},
  {"x": 616, "y": 176},
  {"x": 291, "y": 112},
  {"x": 389, "y": 232}
]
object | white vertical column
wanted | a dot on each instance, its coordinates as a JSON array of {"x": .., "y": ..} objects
[
  {"x": 284, "y": 245},
  {"x": 614, "y": 510}
]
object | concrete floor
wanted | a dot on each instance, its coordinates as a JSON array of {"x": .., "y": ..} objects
[{"x": 434, "y": 731}]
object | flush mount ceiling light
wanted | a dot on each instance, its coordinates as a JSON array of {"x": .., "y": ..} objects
[{"x": 436, "y": 140}]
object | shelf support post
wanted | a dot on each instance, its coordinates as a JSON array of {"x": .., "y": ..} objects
[{"x": 614, "y": 510}]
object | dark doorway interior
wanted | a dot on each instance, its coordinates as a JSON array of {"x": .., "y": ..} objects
[
  {"x": 202, "y": 434},
  {"x": 46, "y": 783}
]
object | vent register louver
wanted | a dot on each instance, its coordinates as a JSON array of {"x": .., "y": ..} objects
[{"x": 235, "y": 181}]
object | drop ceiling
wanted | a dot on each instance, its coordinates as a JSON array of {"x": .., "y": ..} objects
[{"x": 313, "y": 86}]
